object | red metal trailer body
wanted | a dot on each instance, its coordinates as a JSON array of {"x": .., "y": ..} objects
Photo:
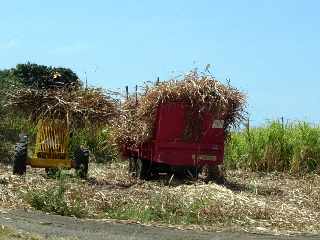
[{"x": 168, "y": 146}]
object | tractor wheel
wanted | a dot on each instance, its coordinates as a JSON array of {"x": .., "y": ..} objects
[
  {"x": 82, "y": 161},
  {"x": 20, "y": 159},
  {"x": 142, "y": 169},
  {"x": 214, "y": 173},
  {"x": 132, "y": 166}
]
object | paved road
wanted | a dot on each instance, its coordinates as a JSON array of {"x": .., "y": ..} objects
[{"x": 52, "y": 225}]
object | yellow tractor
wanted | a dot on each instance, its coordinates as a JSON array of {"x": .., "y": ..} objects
[{"x": 51, "y": 150}]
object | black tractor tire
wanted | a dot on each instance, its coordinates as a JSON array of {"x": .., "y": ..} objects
[
  {"x": 142, "y": 169},
  {"x": 214, "y": 173},
  {"x": 20, "y": 159},
  {"x": 81, "y": 156}
]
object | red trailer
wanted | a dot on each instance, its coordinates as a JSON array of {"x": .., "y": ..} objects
[{"x": 169, "y": 150}]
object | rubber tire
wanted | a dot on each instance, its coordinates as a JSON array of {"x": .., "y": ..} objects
[
  {"x": 20, "y": 159},
  {"x": 81, "y": 156},
  {"x": 132, "y": 167},
  {"x": 215, "y": 174},
  {"x": 193, "y": 171},
  {"x": 142, "y": 169}
]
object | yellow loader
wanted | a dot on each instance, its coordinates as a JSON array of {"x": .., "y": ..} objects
[{"x": 51, "y": 150}]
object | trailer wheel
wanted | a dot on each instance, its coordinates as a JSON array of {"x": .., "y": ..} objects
[
  {"x": 20, "y": 159},
  {"x": 82, "y": 161},
  {"x": 142, "y": 169},
  {"x": 213, "y": 173},
  {"x": 132, "y": 168},
  {"x": 192, "y": 172}
]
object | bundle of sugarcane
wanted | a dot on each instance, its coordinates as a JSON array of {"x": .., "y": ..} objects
[
  {"x": 128, "y": 129},
  {"x": 92, "y": 105},
  {"x": 202, "y": 92}
]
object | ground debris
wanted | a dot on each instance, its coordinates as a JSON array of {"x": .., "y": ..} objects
[{"x": 277, "y": 203}]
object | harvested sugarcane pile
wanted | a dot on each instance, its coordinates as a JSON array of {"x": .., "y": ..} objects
[
  {"x": 80, "y": 106},
  {"x": 202, "y": 92}
]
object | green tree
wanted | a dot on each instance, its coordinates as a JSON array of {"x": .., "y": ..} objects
[{"x": 44, "y": 77}]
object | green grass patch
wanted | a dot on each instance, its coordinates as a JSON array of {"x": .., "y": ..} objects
[
  {"x": 55, "y": 199},
  {"x": 157, "y": 207},
  {"x": 169, "y": 208}
]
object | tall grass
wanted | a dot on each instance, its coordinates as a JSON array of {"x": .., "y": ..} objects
[{"x": 291, "y": 147}]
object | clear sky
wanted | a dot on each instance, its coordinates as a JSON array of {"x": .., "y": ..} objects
[{"x": 269, "y": 49}]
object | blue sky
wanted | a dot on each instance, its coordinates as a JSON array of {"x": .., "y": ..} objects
[{"x": 269, "y": 49}]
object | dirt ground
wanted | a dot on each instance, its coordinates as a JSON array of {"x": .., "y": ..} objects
[{"x": 274, "y": 203}]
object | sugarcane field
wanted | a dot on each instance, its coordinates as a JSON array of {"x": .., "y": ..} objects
[{"x": 159, "y": 120}]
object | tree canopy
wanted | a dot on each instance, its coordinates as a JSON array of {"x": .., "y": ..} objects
[{"x": 44, "y": 77}]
